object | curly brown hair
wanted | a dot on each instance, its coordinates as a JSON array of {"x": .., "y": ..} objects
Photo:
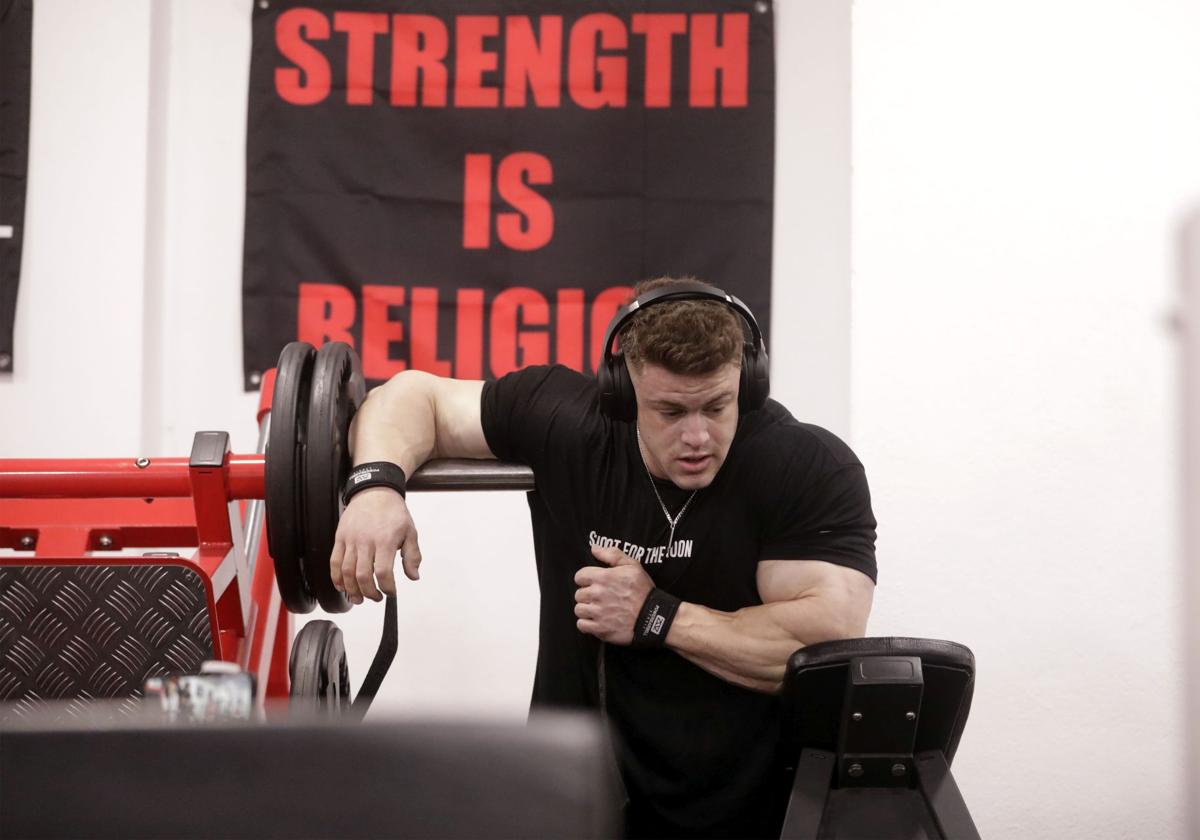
[{"x": 687, "y": 337}]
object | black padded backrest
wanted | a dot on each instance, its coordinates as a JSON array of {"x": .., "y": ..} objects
[
  {"x": 814, "y": 689},
  {"x": 551, "y": 778}
]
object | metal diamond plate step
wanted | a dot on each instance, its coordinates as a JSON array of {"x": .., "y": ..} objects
[{"x": 89, "y": 632}]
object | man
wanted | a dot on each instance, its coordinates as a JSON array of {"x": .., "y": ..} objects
[{"x": 682, "y": 557}]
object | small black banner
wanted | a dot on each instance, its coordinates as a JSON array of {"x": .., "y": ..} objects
[
  {"x": 16, "y": 41},
  {"x": 468, "y": 187}
]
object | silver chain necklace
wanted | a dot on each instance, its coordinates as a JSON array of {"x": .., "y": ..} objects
[{"x": 662, "y": 504}]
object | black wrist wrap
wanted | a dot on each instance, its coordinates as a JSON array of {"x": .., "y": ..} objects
[
  {"x": 654, "y": 619},
  {"x": 374, "y": 474}
]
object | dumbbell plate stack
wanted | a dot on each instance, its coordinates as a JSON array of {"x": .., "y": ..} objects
[
  {"x": 285, "y": 480},
  {"x": 338, "y": 389}
]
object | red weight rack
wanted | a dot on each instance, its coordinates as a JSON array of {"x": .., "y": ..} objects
[{"x": 78, "y": 513}]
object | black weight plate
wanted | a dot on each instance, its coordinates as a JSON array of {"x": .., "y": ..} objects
[
  {"x": 338, "y": 390},
  {"x": 284, "y": 473},
  {"x": 318, "y": 670}
]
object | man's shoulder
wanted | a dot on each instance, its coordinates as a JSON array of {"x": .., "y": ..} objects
[
  {"x": 775, "y": 432},
  {"x": 551, "y": 375},
  {"x": 550, "y": 392}
]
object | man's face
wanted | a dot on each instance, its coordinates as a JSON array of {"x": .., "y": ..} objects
[{"x": 686, "y": 422}]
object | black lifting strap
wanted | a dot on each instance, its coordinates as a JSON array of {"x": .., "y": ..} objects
[{"x": 382, "y": 661}]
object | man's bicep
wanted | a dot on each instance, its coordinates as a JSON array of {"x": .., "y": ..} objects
[
  {"x": 459, "y": 419},
  {"x": 843, "y": 594}
]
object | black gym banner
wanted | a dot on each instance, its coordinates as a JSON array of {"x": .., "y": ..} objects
[
  {"x": 16, "y": 41},
  {"x": 468, "y": 187}
]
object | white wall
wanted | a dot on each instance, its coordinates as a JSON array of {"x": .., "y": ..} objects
[
  {"x": 78, "y": 344},
  {"x": 1000, "y": 361},
  {"x": 1189, "y": 324},
  {"x": 810, "y": 308},
  {"x": 1020, "y": 171}
]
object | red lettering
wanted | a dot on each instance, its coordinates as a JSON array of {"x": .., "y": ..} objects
[
  {"x": 419, "y": 44},
  {"x": 324, "y": 312},
  {"x": 518, "y": 325},
  {"x": 514, "y": 348},
  {"x": 468, "y": 335},
  {"x": 533, "y": 225},
  {"x": 530, "y": 64},
  {"x": 472, "y": 61},
  {"x": 597, "y": 71},
  {"x": 596, "y": 82},
  {"x": 308, "y": 82},
  {"x": 604, "y": 307},
  {"x": 423, "y": 331},
  {"x": 379, "y": 332},
  {"x": 659, "y": 30},
  {"x": 568, "y": 333},
  {"x": 477, "y": 201},
  {"x": 730, "y": 57},
  {"x": 361, "y": 29}
]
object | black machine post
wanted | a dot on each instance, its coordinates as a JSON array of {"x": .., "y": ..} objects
[
  {"x": 876, "y": 723},
  {"x": 879, "y": 721},
  {"x": 942, "y": 794}
]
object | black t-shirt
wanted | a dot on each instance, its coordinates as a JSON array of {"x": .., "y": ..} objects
[{"x": 697, "y": 754}]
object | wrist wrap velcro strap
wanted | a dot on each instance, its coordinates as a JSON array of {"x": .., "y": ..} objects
[
  {"x": 374, "y": 474},
  {"x": 654, "y": 620}
]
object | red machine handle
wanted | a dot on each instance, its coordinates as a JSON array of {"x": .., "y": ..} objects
[{"x": 115, "y": 478}]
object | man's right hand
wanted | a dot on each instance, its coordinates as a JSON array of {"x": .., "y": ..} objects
[
  {"x": 373, "y": 527},
  {"x": 412, "y": 417}
]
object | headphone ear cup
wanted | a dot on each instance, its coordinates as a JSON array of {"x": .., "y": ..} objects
[
  {"x": 617, "y": 398},
  {"x": 626, "y": 402},
  {"x": 605, "y": 387},
  {"x": 755, "y": 385}
]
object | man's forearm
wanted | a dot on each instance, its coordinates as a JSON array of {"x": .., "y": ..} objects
[
  {"x": 751, "y": 647},
  {"x": 397, "y": 423}
]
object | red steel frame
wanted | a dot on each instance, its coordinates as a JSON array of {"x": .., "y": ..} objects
[{"x": 76, "y": 511}]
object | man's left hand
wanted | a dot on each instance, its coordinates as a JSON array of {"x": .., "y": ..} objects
[{"x": 609, "y": 599}]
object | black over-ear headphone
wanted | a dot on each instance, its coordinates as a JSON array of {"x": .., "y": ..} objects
[{"x": 617, "y": 398}]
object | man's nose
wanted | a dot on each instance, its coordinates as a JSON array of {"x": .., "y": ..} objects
[{"x": 695, "y": 431}]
